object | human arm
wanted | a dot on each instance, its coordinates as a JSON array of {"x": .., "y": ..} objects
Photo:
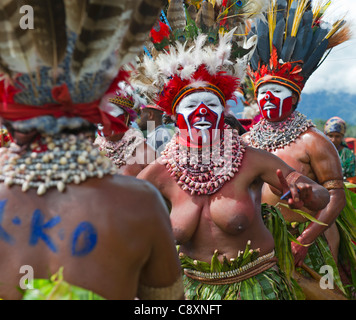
[
  {"x": 326, "y": 166},
  {"x": 327, "y": 217},
  {"x": 161, "y": 275},
  {"x": 282, "y": 178}
]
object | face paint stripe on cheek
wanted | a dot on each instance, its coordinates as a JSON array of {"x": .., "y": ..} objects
[
  {"x": 202, "y": 119},
  {"x": 278, "y": 99}
]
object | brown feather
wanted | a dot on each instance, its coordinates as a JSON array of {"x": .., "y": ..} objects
[
  {"x": 75, "y": 14},
  {"x": 49, "y": 33},
  {"x": 208, "y": 14},
  {"x": 145, "y": 15},
  {"x": 103, "y": 25},
  {"x": 176, "y": 15},
  {"x": 339, "y": 37},
  {"x": 192, "y": 10},
  {"x": 16, "y": 45}
]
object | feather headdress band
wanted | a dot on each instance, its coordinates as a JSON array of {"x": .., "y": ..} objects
[
  {"x": 294, "y": 42},
  {"x": 64, "y": 65},
  {"x": 197, "y": 50},
  {"x": 124, "y": 97}
]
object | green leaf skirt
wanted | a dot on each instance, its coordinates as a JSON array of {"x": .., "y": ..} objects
[
  {"x": 319, "y": 253},
  {"x": 267, "y": 285}
]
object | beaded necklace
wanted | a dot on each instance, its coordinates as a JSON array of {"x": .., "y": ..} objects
[
  {"x": 270, "y": 136},
  {"x": 205, "y": 171},
  {"x": 120, "y": 151},
  {"x": 53, "y": 161}
]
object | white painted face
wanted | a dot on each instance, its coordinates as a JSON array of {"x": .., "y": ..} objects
[
  {"x": 274, "y": 101},
  {"x": 114, "y": 110},
  {"x": 200, "y": 113}
]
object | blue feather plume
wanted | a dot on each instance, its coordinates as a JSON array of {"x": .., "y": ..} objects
[
  {"x": 288, "y": 48},
  {"x": 312, "y": 63},
  {"x": 263, "y": 41},
  {"x": 318, "y": 36},
  {"x": 278, "y": 35}
]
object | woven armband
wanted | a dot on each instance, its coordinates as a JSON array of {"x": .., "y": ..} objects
[
  {"x": 293, "y": 177},
  {"x": 333, "y": 184},
  {"x": 173, "y": 292}
]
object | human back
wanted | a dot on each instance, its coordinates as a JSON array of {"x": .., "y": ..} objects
[{"x": 102, "y": 243}]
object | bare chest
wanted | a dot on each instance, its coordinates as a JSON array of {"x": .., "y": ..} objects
[{"x": 223, "y": 212}]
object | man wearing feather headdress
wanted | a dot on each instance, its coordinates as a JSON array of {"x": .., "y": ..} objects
[
  {"x": 62, "y": 207},
  {"x": 211, "y": 179},
  {"x": 158, "y": 134},
  {"x": 290, "y": 48}
]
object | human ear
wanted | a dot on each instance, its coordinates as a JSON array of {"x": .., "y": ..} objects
[
  {"x": 295, "y": 98},
  {"x": 150, "y": 115}
]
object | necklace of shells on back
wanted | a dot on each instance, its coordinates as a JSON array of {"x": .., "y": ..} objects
[{"x": 53, "y": 162}]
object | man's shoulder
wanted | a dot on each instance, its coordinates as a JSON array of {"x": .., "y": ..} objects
[
  {"x": 314, "y": 134},
  {"x": 130, "y": 183},
  {"x": 139, "y": 194}
]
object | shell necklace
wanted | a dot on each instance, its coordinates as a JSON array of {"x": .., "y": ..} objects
[
  {"x": 120, "y": 151},
  {"x": 270, "y": 136},
  {"x": 204, "y": 171},
  {"x": 53, "y": 161}
]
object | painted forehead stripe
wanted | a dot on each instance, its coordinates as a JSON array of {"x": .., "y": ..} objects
[
  {"x": 278, "y": 80},
  {"x": 189, "y": 89}
]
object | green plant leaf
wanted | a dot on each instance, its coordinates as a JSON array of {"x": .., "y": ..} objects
[
  {"x": 302, "y": 213},
  {"x": 349, "y": 185}
]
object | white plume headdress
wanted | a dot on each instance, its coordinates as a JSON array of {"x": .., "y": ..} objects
[{"x": 182, "y": 47}]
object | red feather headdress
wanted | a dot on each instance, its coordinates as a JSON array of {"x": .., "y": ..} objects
[
  {"x": 294, "y": 43},
  {"x": 222, "y": 84},
  {"x": 288, "y": 73}
]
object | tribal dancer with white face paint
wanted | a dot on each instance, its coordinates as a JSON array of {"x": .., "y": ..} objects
[
  {"x": 275, "y": 101},
  {"x": 225, "y": 248},
  {"x": 127, "y": 150},
  {"x": 288, "y": 134}
]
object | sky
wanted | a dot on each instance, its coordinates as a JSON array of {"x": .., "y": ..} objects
[{"x": 338, "y": 72}]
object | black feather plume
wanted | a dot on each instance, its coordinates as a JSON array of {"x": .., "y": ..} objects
[
  {"x": 313, "y": 60},
  {"x": 278, "y": 35},
  {"x": 288, "y": 48},
  {"x": 263, "y": 41}
]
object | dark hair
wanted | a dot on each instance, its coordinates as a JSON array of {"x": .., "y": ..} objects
[{"x": 234, "y": 123}]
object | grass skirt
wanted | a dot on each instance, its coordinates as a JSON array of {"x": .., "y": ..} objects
[
  {"x": 268, "y": 285},
  {"x": 319, "y": 253}
]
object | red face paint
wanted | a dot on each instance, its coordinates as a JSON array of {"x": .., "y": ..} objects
[
  {"x": 275, "y": 101},
  {"x": 200, "y": 123}
]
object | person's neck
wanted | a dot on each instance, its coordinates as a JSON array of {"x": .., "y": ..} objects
[{"x": 158, "y": 123}]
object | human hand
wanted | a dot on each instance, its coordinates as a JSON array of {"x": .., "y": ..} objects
[
  {"x": 299, "y": 252},
  {"x": 296, "y": 194}
]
